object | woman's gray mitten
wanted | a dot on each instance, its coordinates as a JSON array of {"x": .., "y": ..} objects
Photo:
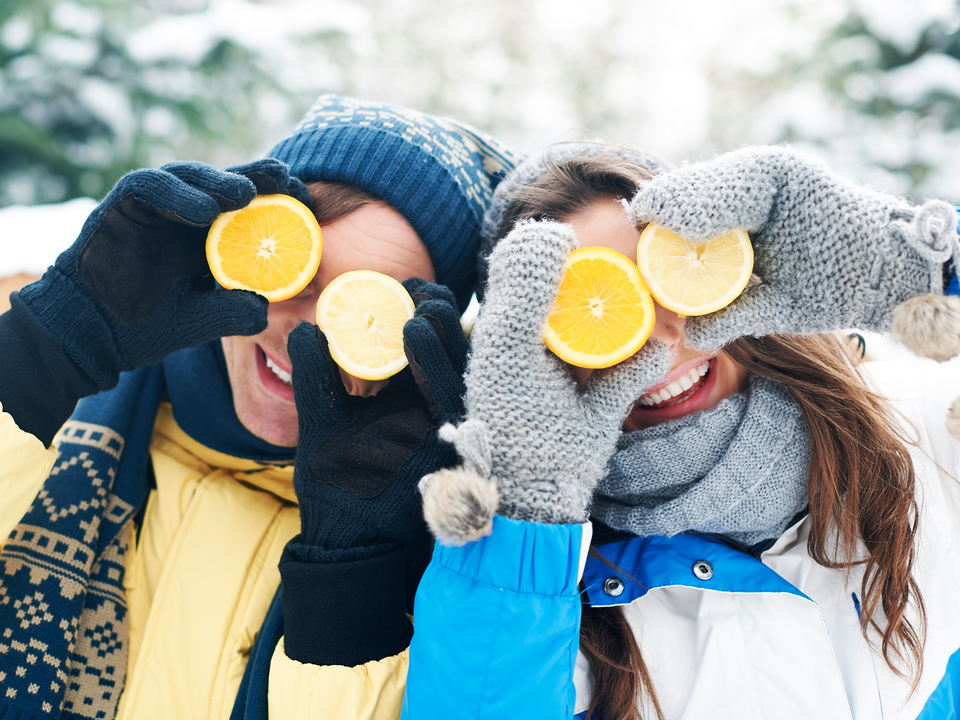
[
  {"x": 534, "y": 447},
  {"x": 831, "y": 254}
]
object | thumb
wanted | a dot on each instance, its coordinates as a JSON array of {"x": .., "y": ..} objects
[
  {"x": 759, "y": 310},
  {"x": 611, "y": 393},
  {"x": 220, "y": 313}
]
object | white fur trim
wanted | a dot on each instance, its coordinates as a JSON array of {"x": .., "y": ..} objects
[
  {"x": 929, "y": 325},
  {"x": 459, "y": 505}
]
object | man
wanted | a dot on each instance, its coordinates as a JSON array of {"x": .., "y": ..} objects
[{"x": 141, "y": 574}]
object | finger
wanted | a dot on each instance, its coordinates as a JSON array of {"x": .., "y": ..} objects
[
  {"x": 160, "y": 192},
  {"x": 219, "y": 313},
  {"x": 230, "y": 190},
  {"x": 271, "y": 177},
  {"x": 421, "y": 290},
  {"x": 612, "y": 392},
  {"x": 704, "y": 200},
  {"x": 314, "y": 383},
  {"x": 525, "y": 272},
  {"x": 439, "y": 379},
  {"x": 760, "y": 310},
  {"x": 446, "y": 324}
]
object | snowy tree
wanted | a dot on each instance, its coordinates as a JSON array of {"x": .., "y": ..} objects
[
  {"x": 878, "y": 95},
  {"x": 90, "y": 91}
]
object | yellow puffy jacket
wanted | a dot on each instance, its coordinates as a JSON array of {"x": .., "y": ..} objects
[{"x": 201, "y": 573}]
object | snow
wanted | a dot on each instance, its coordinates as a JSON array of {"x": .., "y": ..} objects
[
  {"x": 31, "y": 237},
  {"x": 931, "y": 73},
  {"x": 264, "y": 28},
  {"x": 901, "y": 23}
]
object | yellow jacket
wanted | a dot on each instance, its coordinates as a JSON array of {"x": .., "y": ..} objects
[{"x": 200, "y": 575}]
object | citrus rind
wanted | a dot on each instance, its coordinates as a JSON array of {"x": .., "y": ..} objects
[
  {"x": 603, "y": 313},
  {"x": 694, "y": 278},
  {"x": 271, "y": 247},
  {"x": 362, "y": 314}
]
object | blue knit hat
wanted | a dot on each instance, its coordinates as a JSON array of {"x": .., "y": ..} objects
[{"x": 438, "y": 173}]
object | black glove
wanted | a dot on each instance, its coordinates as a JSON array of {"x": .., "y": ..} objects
[
  {"x": 135, "y": 285},
  {"x": 358, "y": 464}
]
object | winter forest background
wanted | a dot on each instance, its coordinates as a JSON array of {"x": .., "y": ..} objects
[{"x": 91, "y": 89}]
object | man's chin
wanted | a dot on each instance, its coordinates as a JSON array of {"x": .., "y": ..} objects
[{"x": 276, "y": 425}]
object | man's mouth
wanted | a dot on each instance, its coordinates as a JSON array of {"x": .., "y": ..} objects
[
  {"x": 274, "y": 378},
  {"x": 283, "y": 375},
  {"x": 678, "y": 390}
]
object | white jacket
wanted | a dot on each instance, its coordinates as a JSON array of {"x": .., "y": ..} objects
[{"x": 724, "y": 634}]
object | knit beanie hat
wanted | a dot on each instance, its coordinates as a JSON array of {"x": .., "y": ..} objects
[
  {"x": 438, "y": 173},
  {"x": 531, "y": 169}
]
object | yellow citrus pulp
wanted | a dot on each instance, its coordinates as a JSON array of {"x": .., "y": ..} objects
[
  {"x": 694, "y": 278},
  {"x": 603, "y": 312},
  {"x": 362, "y": 313},
  {"x": 272, "y": 247}
]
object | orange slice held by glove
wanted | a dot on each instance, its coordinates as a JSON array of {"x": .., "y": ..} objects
[
  {"x": 362, "y": 314},
  {"x": 272, "y": 247},
  {"x": 694, "y": 278},
  {"x": 603, "y": 312}
]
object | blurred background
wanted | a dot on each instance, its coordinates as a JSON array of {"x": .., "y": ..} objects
[{"x": 89, "y": 90}]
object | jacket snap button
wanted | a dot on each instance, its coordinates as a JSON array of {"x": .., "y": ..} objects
[
  {"x": 703, "y": 570},
  {"x": 613, "y": 586}
]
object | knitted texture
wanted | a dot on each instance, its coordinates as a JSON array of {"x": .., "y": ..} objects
[
  {"x": 831, "y": 254},
  {"x": 135, "y": 285},
  {"x": 359, "y": 459},
  {"x": 534, "y": 167},
  {"x": 543, "y": 443},
  {"x": 738, "y": 469},
  {"x": 438, "y": 173}
]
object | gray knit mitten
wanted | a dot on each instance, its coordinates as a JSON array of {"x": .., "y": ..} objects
[
  {"x": 830, "y": 253},
  {"x": 534, "y": 446}
]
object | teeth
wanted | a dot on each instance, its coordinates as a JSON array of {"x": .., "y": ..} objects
[
  {"x": 284, "y": 376},
  {"x": 677, "y": 387}
]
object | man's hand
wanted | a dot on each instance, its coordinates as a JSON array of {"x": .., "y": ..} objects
[{"x": 135, "y": 285}]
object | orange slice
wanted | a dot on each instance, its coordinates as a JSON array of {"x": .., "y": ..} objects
[
  {"x": 272, "y": 247},
  {"x": 362, "y": 313},
  {"x": 694, "y": 278},
  {"x": 603, "y": 312}
]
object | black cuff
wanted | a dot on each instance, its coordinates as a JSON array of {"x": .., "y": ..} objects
[
  {"x": 39, "y": 384},
  {"x": 345, "y": 613}
]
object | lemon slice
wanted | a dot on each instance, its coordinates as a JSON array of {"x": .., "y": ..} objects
[
  {"x": 362, "y": 313},
  {"x": 603, "y": 312},
  {"x": 272, "y": 247},
  {"x": 694, "y": 278}
]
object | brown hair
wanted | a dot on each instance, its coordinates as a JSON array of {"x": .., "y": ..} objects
[
  {"x": 334, "y": 200},
  {"x": 861, "y": 478}
]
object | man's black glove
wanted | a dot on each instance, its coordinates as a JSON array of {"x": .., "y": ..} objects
[
  {"x": 135, "y": 285},
  {"x": 358, "y": 464}
]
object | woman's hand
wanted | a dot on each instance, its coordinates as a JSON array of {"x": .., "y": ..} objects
[
  {"x": 533, "y": 445},
  {"x": 830, "y": 253}
]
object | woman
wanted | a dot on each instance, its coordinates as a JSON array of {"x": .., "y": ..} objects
[{"x": 774, "y": 540}]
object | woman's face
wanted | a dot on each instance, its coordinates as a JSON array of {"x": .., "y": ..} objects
[{"x": 696, "y": 381}]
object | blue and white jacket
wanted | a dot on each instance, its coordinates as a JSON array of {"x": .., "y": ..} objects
[{"x": 724, "y": 634}]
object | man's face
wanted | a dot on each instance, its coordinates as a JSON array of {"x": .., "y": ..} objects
[{"x": 374, "y": 237}]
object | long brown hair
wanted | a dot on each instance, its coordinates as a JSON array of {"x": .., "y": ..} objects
[{"x": 861, "y": 478}]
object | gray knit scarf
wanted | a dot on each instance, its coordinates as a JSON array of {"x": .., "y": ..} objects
[{"x": 738, "y": 470}]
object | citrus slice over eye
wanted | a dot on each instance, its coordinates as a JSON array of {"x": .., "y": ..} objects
[
  {"x": 603, "y": 312},
  {"x": 272, "y": 247},
  {"x": 690, "y": 277},
  {"x": 362, "y": 313}
]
